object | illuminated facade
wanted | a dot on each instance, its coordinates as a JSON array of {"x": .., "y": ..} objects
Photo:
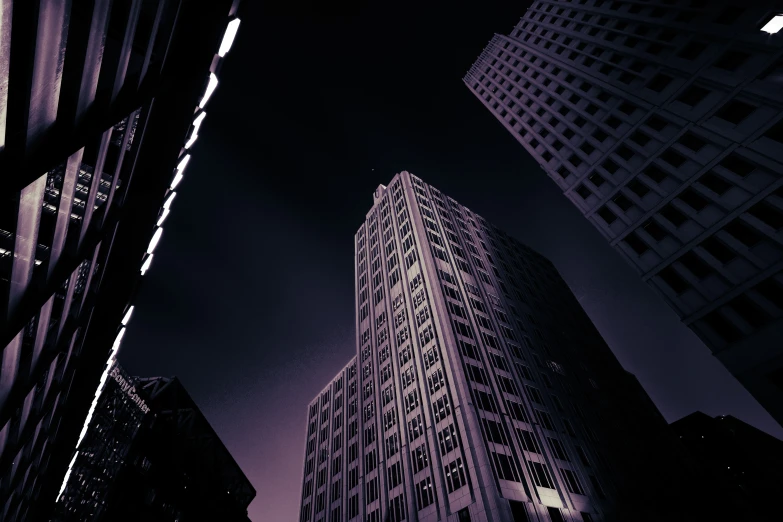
[
  {"x": 662, "y": 123},
  {"x": 480, "y": 391},
  {"x": 104, "y": 450},
  {"x": 149, "y": 454},
  {"x": 96, "y": 102}
]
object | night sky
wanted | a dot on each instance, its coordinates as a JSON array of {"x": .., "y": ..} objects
[{"x": 249, "y": 300}]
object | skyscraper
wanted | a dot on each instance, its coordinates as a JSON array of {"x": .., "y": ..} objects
[
  {"x": 150, "y": 454},
  {"x": 480, "y": 390},
  {"x": 661, "y": 121},
  {"x": 97, "y": 99}
]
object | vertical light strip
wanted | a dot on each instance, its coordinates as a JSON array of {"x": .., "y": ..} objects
[{"x": 228, "y": 37}]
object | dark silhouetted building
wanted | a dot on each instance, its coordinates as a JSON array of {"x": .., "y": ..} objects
[
  {"x": 97, "y": 99},
  {"x": 480, "y": 390},
  {"x": 662, "y": 122},
  {"x": 150, "y": 454},
  {"x": 745, "y": 464}
]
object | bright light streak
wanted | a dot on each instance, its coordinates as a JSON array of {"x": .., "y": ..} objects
[
  {"x": 183, "y": 163},
  {"x": 191, "y": 140},
  {"x": 67, "y": 476},
  {"x": 177, "y": 178},
  {"x": 228, "y": 37},
  {"x": 146, "y": 265},
  {"x": 154, "y": 241},
  {"x": 211, "y": 86},
  {"x": 167, "y": 203},
  {"x": 163, "y": 216},
  {"x": 774, "y": 25},
  {"x": 196, "y": 125},
  {"x": 127, "y": 316}
]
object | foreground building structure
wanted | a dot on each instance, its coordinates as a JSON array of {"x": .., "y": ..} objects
[
  {"x": 480, "y": 390},
  {"x": 97, "y": 99},
  {"x": 662, "y": 122},
  {"x": 150, "y": 454},
  {"x": 745, "y": 463}
]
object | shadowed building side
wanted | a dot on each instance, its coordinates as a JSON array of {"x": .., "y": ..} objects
[{"x": 662, "y": 122}]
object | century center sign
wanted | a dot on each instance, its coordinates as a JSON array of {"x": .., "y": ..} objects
[{"x": 129, "y": 389}]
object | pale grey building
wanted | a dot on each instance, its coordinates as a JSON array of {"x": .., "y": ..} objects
[
  {"x": 480, "y": 391},
  {"x": 662, "y": 122}
]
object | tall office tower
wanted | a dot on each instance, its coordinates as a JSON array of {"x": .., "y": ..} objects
[
  {"x": 97, "y": 98},
  {"x": 745, "y": 463},
  {"x": 662, "y": 122},
  {"x": 107, "y": 443},
  {"x": 480, "y": 391},
  {"x": 150, "y": 454}
]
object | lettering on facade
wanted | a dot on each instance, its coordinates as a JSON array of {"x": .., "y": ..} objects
[{"x": 129, "y": 390}]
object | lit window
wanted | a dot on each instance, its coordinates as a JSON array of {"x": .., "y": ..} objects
[{"x": 774, "y": 25}]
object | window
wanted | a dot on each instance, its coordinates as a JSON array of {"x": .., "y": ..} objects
[
  {"x": 540, "y": 475},
  {"x": 735, "y": 111},
  {"x": 447, "y": 439},
  {"x": 607, "y": 215},
  {"x": 659, "y": 82},
  {"x": 572, "y": 482},
  {"x": 673, "y": 158},
  {"x": 640, "y": 138},
  {"x": 623, "y": 202},
  {"x": 613, "y": 122},
  {"x": 715, "y": 183},
  {"x": 655, "y": 173},
  {"x": 693, "y": 95},
  {"x": 776, "y": 132},
  {"x": 692, "y": 50},
  {"x": 718, "y": 249},
  {"x": 424, "y": 493},
  {"x": 655, "y": 230},
  {"x": 596, "y": 179},
  {"x": 638, "y": 188},
  {"x": 610, "y": 166},
  {"x": 695, "y": 265},
  {"x": 673, "y": 215},
  {"x": 693, "y": 199},
  {"x": 674, "y": 280},
  {"x": 656, "y": 123},
  {"x": 627, "y": 108},
  {"x": 638, "y": 246},
  {"x": 420, "y": 460},
  {"x": 558, "y": 449},
  {"x": 731, "y": 60},
  {"x": 624, "y": 152},
  {"x": 555, "y": 514},
  {"x": 691, "y": 141},
  {"x": 767, "y": 214},
  {"x": 737, "y": 165},
  {"x": 455, "y": 475}
]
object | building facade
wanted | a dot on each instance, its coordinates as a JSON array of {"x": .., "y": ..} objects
[
  {"x": 480, "y": 390},
  {"x": 150, "y": 454},
  {"x": 663, "y": 123},
  {"x": 745, "y": 463},
  {"x": 104, "y": 450},
  {"x": 97, "y": 99}
]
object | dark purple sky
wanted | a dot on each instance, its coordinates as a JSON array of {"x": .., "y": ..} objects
[{"x": 250, "y": 297}]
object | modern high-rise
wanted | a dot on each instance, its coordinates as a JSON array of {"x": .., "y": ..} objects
[
  {"x": 480, "y": 390},
  {"x": 150, "y": 454},
  {"x": 662, "y": 122},
  {"x": 97, "y": 101}
]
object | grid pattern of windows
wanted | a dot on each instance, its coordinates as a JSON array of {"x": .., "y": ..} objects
[
  {"x": 76, "y": 127},
  {"x": 667, "y": 140},
  {"x": 473, "y": 296}
]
